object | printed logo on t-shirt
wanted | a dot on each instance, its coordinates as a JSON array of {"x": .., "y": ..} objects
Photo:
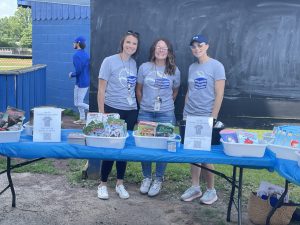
[
  {"x": 131, "y": 80},
  {"x": 162, "y": 83},
  {"x": 126, "y": 77},
  {"x": 201, "y": 81},
  {"x": 157, "y": 80}
]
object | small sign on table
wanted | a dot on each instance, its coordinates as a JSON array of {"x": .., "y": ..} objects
[
  {"x": 47, "y": 124},
  {"x": 198, "y": 132}
]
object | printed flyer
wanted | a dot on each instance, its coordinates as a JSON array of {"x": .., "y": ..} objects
[
  {"x": 47, "y": 124},
  {"x": 198, "y": 132}
]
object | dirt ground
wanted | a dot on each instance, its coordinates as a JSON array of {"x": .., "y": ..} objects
[{"x": 51, "y": 200}]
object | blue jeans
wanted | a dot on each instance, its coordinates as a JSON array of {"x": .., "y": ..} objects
[{"x": 163, "y": 117}]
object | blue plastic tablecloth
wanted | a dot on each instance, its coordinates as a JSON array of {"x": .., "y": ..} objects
[
  {"x": 30, "y": 150},
  {"x": 289, "y": 170}
]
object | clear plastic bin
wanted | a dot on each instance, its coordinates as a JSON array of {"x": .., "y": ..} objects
[
  {"x": 106, "y": 142},
  {"x": 10, "y": 136},
  {"x": 151, "y": 142},
  {"x": 283, "y": 152},
  {"x": 244, "y": 150},
  {"x": 298, "y": 157}
]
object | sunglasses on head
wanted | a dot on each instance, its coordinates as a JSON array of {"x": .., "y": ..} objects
[{"x": 134, "y": 33}]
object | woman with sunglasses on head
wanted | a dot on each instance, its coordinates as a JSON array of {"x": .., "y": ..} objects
[
  {"x": 157, "y": 87},
  {"x": 116, "y": 94},
  {"x": 206, "y": 82}
]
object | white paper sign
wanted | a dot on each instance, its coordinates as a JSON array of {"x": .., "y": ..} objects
[
  {"x": 47, "y": 125},
  {"x": 198, "y": 132}
]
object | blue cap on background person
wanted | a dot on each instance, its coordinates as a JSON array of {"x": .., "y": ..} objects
[
  {"x": 199, "y": 38},
  {"x": 80, "y": 39}
]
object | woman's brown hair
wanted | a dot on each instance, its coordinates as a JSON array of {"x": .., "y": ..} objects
[
  {"x": 130, "y": 33},
  {"x": 170, "y": 60}
]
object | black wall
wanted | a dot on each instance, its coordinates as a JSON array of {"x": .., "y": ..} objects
[{"x": 257, "y": 41}]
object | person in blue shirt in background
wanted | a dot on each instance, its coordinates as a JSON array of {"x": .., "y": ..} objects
[{"x": 81, "y": 62}]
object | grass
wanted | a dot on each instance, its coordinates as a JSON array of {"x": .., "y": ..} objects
[{"x": 14, "y": 63}]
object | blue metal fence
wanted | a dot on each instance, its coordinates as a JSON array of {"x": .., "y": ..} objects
[{"x": 23, "y": 89}]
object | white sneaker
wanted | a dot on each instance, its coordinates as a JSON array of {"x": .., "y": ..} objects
[
  {"x": 120, "y": 189},
  {"x": 191, "y": 193},
  {"x": 145, "y": 186},
  {"x": 102, "y": 192},
  {"x": 79, "y": 122},
  {"x": 209, "y": 197},
  {"x": 155, "y": 188}
]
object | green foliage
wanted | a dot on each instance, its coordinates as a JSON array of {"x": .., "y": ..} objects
[
  {"x": 69, "y": 112},
  {"x": 26, "y": 39},
  {"x": 16, "y": 30}
]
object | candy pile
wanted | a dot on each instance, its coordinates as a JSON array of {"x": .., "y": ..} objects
[
  {"x": 12, "y": 119},
  {"x": 106, "y": 125},
  {"x": 146, "y": 128}
]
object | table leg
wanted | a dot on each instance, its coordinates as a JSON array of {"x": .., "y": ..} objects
[
  {"x": 11, "y": 185},
  {"x": 231, "y": 194},
  {"x": 240, "y": 196},
  {"x": 279, "y": 202}
]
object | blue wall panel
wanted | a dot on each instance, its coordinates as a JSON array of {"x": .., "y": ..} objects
[{"x": 53, "y": 46}]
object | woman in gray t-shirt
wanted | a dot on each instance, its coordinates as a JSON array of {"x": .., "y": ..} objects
[
  {"x": 206, "y": 82},
  {"x": 157, "y": 87},
  {"x": 116, "y": 94}
]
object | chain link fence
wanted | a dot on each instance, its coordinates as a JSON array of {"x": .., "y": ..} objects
[{"x": 15, "y": 58}]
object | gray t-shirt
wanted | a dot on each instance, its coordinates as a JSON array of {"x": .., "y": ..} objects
[
  {"x": 156, "y": 83},
  {"x": 121, "y": 79},
  {"x": 201, "y": 87}
]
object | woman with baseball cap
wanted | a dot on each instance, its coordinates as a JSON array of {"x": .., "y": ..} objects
[{"x": 206, "y": 83}]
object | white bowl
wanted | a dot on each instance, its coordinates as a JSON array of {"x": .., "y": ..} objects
[
  {"x": 283, "y": 152},
  {"x": 151, "y": 141},
  {"x": 10, "y": 136},
  {"x": 244, "y": 150},
  {"x": 105, "y": 142}
]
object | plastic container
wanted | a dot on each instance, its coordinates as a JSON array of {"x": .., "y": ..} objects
[
  {"x": 173, "y": 143},
  {"x": 151, "y": 142},
  {"x": 215, "y": 137},
  {"x": 106, "y": 142},
  {"x": 10, "y": 136},
  {"x": 244, "y": 150},
  {"x": 298, "y": 157},
  {"x": 284, "y": 152},
  {"x": 268, "y": 137},
  {"x": 28, "y": 129}
]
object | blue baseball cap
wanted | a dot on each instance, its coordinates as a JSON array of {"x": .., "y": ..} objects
[
  {"x": 79, "y": 39},
  {"x": 199, "y": 38}
]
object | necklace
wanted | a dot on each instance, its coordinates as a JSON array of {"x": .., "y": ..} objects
[
  {"x": 158, "y": 98},
  {"x": 127, "y": 74}
]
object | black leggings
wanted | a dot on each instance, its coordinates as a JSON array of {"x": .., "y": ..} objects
[{"x": 130, "y": 117}]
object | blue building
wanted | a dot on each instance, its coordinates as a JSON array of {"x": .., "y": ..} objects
[{"x": 55, "y": 24}]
